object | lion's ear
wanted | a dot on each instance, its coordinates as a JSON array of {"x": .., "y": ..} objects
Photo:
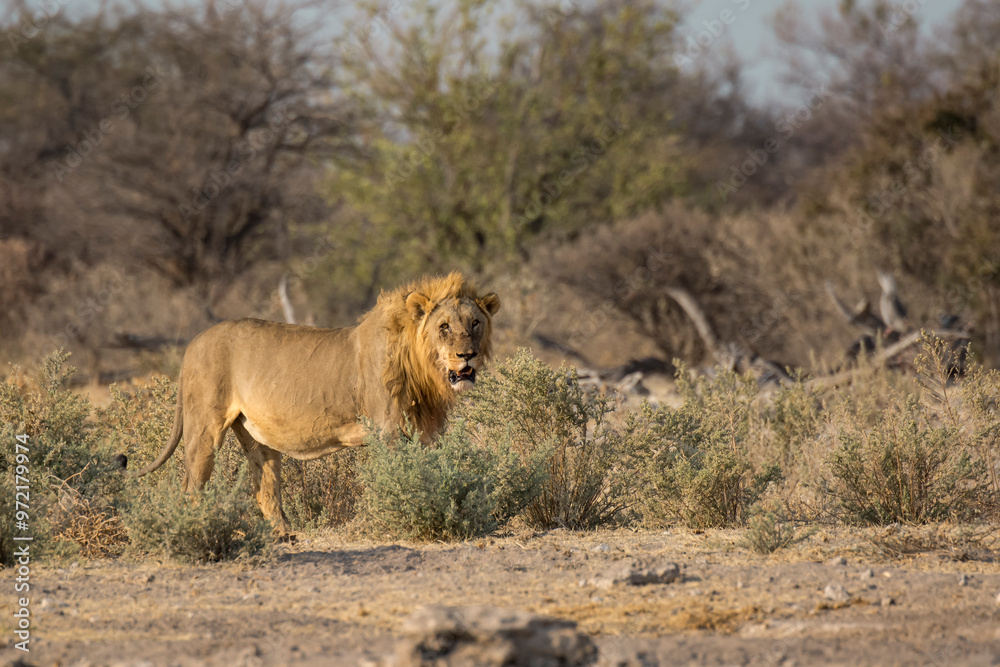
[
  {"x": 417, "y": 305},
  {"x": 490, "y": 303}
]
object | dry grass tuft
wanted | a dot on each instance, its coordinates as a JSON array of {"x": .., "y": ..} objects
[{"x": 89, "y": 523}]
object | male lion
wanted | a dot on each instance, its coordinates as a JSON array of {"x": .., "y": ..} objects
[{"x": 301, "y": 391}]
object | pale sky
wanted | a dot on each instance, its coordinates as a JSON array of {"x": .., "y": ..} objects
[
  {"x": 750, "y": 36},
  {"x": 747, "y": 30}
]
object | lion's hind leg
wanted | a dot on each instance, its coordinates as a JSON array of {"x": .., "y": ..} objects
[
  {"x": 265, "y": 475},
  {"x": 206, "y": 437}
]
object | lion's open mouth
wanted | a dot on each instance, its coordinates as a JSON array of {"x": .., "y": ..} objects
[{"x": 467, "y": 374}]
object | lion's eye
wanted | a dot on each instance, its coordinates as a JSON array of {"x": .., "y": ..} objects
[
  {"x": 475, "y": 323},
  {"x": 445, "y": 328}
]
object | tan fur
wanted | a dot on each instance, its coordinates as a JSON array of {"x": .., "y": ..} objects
[{"x": 301, "y": 391}]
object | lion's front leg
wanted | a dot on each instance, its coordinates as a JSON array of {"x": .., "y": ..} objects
[{"x": 269, "y": 492}]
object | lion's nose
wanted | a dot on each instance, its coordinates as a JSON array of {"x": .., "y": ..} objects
[{"x": 466, "y": 355}]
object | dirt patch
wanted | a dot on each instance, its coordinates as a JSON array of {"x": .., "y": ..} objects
[{"x": 335, "y": 600}]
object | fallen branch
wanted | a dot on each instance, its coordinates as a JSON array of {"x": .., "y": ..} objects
[{"x": 884, "y": 356}]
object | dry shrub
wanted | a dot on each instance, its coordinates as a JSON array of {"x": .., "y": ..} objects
[
  {"x": 919, "y": 458},
  {"x": 961, "y": 542},
  {"x": 74, "y": 480},
  {"x": 89, "y": 523},
  {"x": 701, "y": 471},
  {"x": 630, "y": 264},
  {"x": 970, "y": 404},
  {"x": 545, "y": 415},
  {"x": 324, "y": 492}
]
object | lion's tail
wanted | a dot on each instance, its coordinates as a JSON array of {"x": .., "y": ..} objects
[{"x": 175, "y": 438}]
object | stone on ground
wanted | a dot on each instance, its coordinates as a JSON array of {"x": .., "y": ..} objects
[{"x": 484, "y": 636}]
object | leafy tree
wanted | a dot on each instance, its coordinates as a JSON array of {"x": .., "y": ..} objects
[{"x": 480, "y": 135}]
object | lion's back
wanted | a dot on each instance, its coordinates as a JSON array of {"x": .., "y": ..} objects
[{"x": 253, "y": 358}]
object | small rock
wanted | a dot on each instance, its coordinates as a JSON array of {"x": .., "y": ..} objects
[
  {"x": 963, "y": 580},
  {"x": 637, "y": 573},
  {"x": 888, "y": 602},
  {"x": 836, "y": 593},
  {"x": 837, "y": 560},
  {"x": 601, "y": 547},
  {"x": 866, "y": 574},
  {"x": 488, "y": 636}
]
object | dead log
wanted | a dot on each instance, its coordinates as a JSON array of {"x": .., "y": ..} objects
[{"x": 885, "y": 355}]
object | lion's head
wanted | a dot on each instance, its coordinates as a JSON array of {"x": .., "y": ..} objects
[
  {"x": 456, "y": 331},
  {"x": 440, "y": 334}
]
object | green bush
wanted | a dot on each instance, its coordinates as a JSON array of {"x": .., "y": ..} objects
[
  {"x": 6, "y": 520},
  {"x": 62, "y": 438},
  {"x": 66, "y": 457},
  {"x": 138, "y": 423},
  {"x": 545, "y": 415},
  {"x": 700, "y": 472},
  {"x": 903, "y": 469},
  {"x": 221, "y": 523},
  {"x": 767, "y": 532},
  {"x": 450, "y": 489}
]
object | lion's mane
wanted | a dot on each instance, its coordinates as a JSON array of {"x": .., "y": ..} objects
[{"x": 411, "y": 375}]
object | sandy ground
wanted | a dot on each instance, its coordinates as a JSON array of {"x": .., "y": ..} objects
[{"x": 334, "y": 600}]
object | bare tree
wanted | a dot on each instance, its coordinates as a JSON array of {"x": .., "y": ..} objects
[{"x": 185, "y": 137}]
